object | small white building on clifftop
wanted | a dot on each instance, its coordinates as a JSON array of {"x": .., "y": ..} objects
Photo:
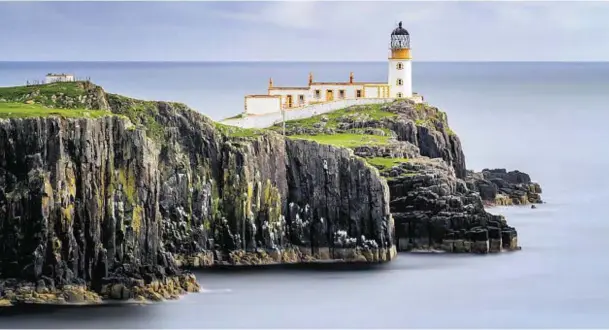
[
  {"x": 58, "y": 77},
  {"x": 398, "y": 85}
]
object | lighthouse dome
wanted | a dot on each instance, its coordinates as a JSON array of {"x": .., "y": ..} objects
[{"x": 400, "y": 31}]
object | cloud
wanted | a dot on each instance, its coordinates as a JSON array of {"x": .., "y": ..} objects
[
  {"x": 558, "y": 15},
  {"x": 304, "y": 30},
  {"x": 335, "y": 16},
  {"x": 286, "y": 14}
]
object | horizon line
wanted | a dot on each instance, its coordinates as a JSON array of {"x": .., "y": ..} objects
[{"x": 299, "y": 61}]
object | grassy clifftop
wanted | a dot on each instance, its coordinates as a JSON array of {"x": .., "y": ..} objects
[
  {"x": 384, "y": 134},
  {"x": 65, "y": 99},
  {"x": 60, "y": 95},
  {"x": 79, "y": 100},
  {"x": 392, "y": 130}
]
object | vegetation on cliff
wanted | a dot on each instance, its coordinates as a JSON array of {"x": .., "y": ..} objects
[
  {"x": 113, "y": 206},
  {"x": 23, "y": 110},
  {"x": 347, "y": 140},
  {"x": 435, "y": 202},
  {"x": 112, "y": 201},
  {"x": 60, "y": 95}
]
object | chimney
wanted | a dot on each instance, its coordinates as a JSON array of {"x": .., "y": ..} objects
[
  {"x": 270, "y": 82},
  {"x": 310, "y": 78},
  {"x": 351, "y": 78}
]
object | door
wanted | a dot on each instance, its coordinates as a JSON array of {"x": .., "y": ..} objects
[
  {"x": 290, "y": 101},
  {"x": 329, "y": 95}
]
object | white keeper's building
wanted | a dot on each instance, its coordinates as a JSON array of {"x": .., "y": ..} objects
[
  {"x": 398, "y": 85},
  {"x": 58, "y": 77}
]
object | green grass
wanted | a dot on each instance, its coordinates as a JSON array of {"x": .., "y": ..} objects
[
  {"x": 72, "y": 89},
  {"x": 372, "y": 112},
  {"x": 346, "y": 140},
  {"x": 22, "y": 110},
  {"x": 234, "y": 131},
  {"x": 139, "y": 112},
  {"x": 383, "y": 163}
]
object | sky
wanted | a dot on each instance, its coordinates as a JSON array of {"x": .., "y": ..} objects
[{"x": 303, "y": 30}]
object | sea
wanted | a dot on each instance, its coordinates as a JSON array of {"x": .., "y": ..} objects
[{"x": 548, "y": 119}]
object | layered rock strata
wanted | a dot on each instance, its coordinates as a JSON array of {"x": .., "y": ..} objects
[
  {"x": 435, "y": 211},
  {"x": 436, "y": 203},
  {"x": 500, "y": 187},
  {"x": 111, "y": 208}
]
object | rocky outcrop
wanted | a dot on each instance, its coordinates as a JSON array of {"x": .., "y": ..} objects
[
  {"x": 436, "y": 204},
  {"x": 427, "y": 128},
  {"x": 435, "y": 211},
  {"x": 111, "y": 208},
  {"x": 500, "y": 187}
]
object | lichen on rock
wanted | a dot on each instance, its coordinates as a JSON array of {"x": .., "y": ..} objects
[
  {"x": 437, "y": 205},
  {"x": 117, "y": 205}
]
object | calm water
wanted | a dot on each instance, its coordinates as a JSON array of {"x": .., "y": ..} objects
[{"x": 547, "y": 119}]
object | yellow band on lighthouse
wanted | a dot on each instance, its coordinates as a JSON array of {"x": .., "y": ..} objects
[{"x": 400, "y": 54}]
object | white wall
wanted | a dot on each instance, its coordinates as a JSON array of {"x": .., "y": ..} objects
[
  {"x": 309, "y": 111},
  {"x": 295, "y": 95},
  {"x": 405, "y": 74},
  {"x": 376, "y": 92},
  {"x": 262, "y": 105},
  {"x": 350, "y": 91},
  {"x": 53, "y": 79}
]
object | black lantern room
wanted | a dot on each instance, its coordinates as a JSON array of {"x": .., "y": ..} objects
[{"x": 400, "y": 38}]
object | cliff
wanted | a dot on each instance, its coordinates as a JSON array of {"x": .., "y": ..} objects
[
  {"x": 436, "y": 203},
  {"x": 105, "y": 197}
]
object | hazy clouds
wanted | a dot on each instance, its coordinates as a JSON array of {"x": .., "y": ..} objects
[{"x": 290, "y": 30}]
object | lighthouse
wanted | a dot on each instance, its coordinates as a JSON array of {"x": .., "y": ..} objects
[
  {"x": 317, "y": 97},
  {"x": 400, "y": 64}
]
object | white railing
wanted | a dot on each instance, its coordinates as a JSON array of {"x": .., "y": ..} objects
[{"x": 262, "y": 121}]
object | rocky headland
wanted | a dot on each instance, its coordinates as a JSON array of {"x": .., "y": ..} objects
[
  {"x": 107, "y": 197},
  {"x": 104, "y": 197},
  {"x": 436, "y": 203}
]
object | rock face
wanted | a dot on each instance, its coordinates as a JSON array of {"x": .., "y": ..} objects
[
  {"x": 427, "y": 128},
  {"x": 433, "y": 206},
  {"x": 500, "y": 187},
  {"x": 435, "y": 211},
  {"x": 103, "y": 208}
]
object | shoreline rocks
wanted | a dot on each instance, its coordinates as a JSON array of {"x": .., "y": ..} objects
[
  {"x": 500, "y": 187},
  {"x": 435, "y": 211},
  {"x": 14, "y": 293},
  {"x": 295, "y": 255}
]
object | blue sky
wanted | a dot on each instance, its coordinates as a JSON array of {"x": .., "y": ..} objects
[{"x": 311, "y": 30}]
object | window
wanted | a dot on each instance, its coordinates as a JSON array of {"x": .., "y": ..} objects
[
  {"x": 317, "y": 93},
  {"x": 341, "y": 93},
  {"x": 400, "y": 66},
  {"x": 301, "y": 98},
  {"x": 399, "y": 95},
  {"x": 358, "y": 93},
  {"x": 400, "y": 82}
]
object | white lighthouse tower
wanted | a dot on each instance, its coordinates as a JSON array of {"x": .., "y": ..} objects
[{"x": 400, "y": 64}]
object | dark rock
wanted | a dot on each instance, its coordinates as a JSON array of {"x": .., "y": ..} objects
[
  {"x": 434, "y": 210},
  {"x": 498, "y": 186},
  {"x": 83, "y": 201}
]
